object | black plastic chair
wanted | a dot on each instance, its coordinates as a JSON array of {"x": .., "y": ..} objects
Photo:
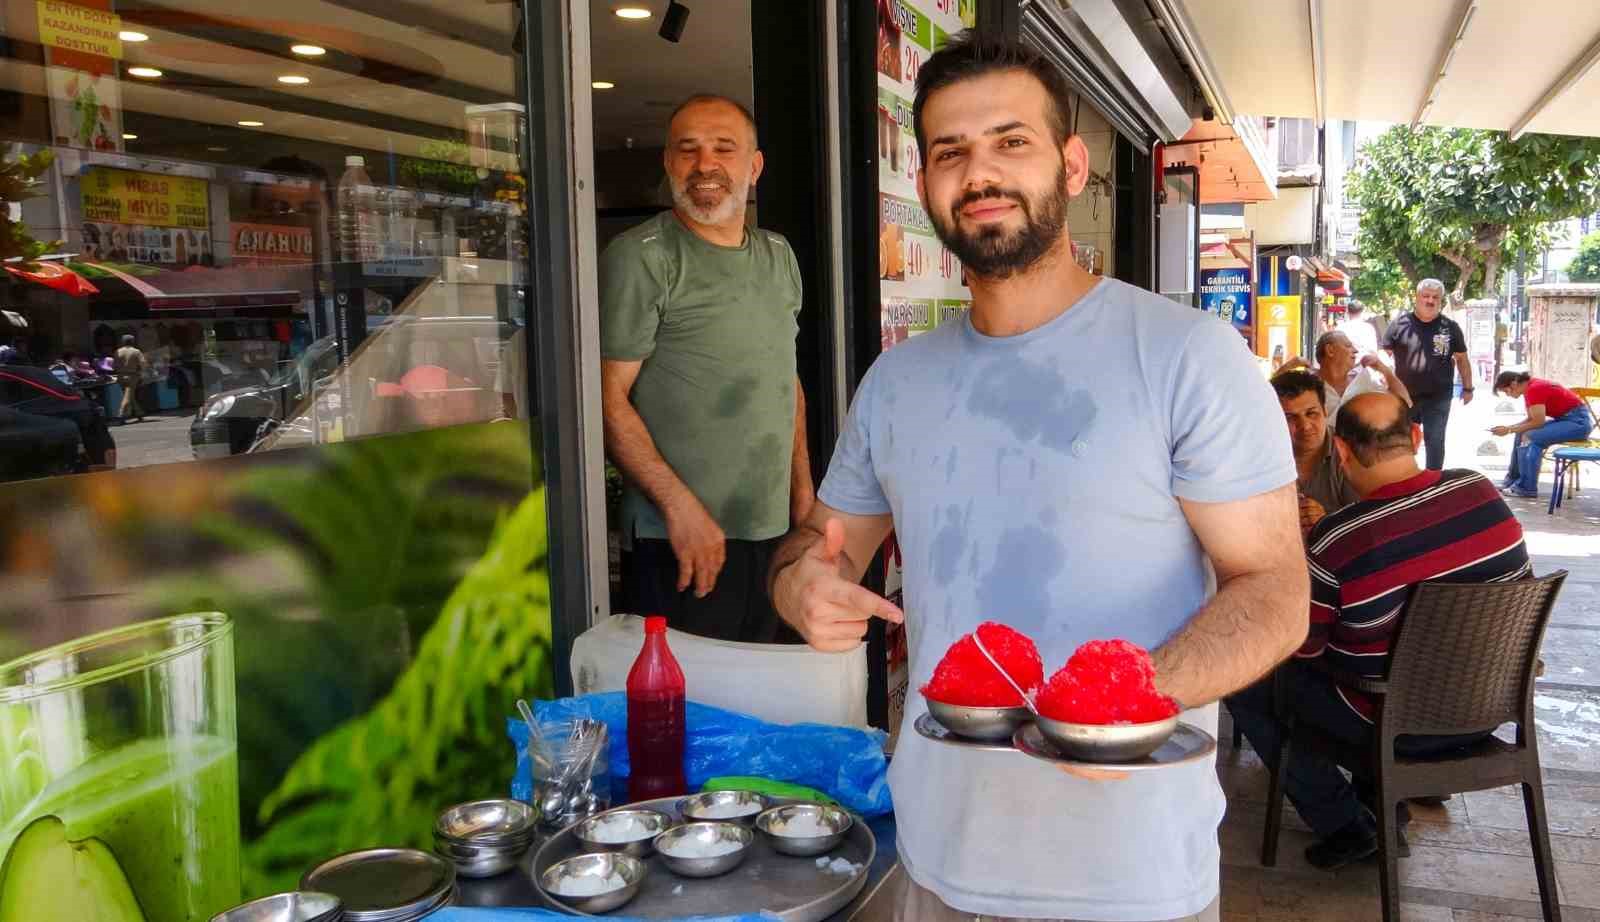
[{"x": 1463, "y": 662}]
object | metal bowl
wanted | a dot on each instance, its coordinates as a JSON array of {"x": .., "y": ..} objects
[
  {"x": 285, "y": 907},
  {"x": 829, "y": 817},
  {"x": 597, "y": 865},
  {"x": 654, "y": 821},
  {"x": 485, "y": 822},
  {"x": 1107, "y": 742},
  {"x": 989, "y": 724},
  {"x": 706, "y": 805},
  {"x": 705, "y": 833},
  {"x": 472, "y": 860}
]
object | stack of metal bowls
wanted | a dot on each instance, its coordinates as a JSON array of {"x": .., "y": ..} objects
[
  {"x": 384, "y": 884},
  {"x": 483, "y": 838},
  {"x": 285, "y": 907}
]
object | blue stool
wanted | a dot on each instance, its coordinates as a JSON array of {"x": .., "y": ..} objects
[{"x": 1566, "y": 456}]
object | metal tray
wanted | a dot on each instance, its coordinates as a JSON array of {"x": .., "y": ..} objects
[
  {"x": 936, "y": 731},
  {"x": 792, "y": 889},
  {"x": 1186, "y": 744}
]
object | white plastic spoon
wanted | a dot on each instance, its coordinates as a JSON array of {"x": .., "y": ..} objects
[{"x": 1027, "y": 699}]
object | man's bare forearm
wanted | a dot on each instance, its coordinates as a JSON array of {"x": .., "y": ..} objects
[
  {"x": 633, "y": 451},
  {"x": 1393, "y": 382},
  {"x": 802, "y": 492},
  {"x": 1240, "y": 635}
]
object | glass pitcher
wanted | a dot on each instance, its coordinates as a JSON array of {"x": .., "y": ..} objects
[{"x": 119, "y": 780}]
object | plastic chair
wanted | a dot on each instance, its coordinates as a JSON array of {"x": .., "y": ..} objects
[
  {"x": 1591, "y": 398},
  {"x": 1463, "y": 662},
  {"x": 1568, "y": 455}
]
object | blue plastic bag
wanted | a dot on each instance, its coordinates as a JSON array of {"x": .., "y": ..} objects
[
  {"x": 473, "y": 914},
  {"x": 845, "y": 763}
]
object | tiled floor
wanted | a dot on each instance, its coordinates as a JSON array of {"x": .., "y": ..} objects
[{"x": 1470, "y": 859}]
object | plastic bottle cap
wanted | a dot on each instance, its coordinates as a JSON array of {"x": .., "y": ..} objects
[
  {"x": 655, "y": 624},
  {"x": 355, "y": 160}
]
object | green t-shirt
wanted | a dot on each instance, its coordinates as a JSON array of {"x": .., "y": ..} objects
[{"x": 715, "y": 327}]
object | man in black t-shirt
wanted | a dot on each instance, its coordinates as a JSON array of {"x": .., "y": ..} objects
[{"x": 1429, "y": 349}]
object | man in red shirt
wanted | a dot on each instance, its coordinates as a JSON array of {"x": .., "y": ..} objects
[{"x": 1555, "y": 415}]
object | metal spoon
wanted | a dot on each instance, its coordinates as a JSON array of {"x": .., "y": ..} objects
[
  {"x": 1027, "y": 699},
  {"x": 551, "y": 801}
]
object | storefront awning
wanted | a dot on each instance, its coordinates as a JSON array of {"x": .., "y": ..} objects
[
  {"x": 211, "y": 289},
  {"x": 1233, "y": 161},
  {"x": 1524, "y": 66},
  {"x": 1121, "y": 63},
  {"x": 53, "y": 275}
]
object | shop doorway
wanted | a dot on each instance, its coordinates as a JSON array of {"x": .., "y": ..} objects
[{"x": 771, "y": 58}]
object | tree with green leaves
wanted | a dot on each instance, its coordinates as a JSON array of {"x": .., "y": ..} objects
[
  {"x": 1457, "y": 204},
  {"x": 20, "y": 178},
  {"x": 1380, "y": 283},
  {"x": 1585, "y": 267}
]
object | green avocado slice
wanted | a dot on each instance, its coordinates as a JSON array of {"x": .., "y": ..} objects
[{"x": 46, "y": 878}]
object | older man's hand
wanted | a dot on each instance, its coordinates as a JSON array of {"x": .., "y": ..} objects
[{"x": 1311, "y": 512}]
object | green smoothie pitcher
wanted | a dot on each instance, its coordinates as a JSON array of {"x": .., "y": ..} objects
[{"x": 119, "y": 778}]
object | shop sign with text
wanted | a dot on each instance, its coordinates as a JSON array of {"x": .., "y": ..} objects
[{"x": 152, "y": 199}]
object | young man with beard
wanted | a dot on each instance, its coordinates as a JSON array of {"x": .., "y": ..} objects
[
  {"x": 1079, "y": 459},
  {"x": 703, "y": 413}
]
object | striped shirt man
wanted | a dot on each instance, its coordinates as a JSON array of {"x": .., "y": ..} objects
[{"x": 1450, "y": 526}]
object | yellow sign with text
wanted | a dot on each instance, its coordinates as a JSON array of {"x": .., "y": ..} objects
[
  {"x": 151, "y": 199},
  {"x": 78, "y": 28}
]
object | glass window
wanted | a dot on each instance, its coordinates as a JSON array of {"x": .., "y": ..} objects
[{"x": 256, "y": 232}]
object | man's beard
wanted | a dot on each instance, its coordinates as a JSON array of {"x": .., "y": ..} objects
[
  {"x": 724, "y": 211},
  {"x": 992, "y": 252}
]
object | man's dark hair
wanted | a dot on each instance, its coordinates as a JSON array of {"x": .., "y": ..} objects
[
  {"x": 973, "y": 54},
  {"x": 700, "y": 98},
  {"x": 1354, "y": 308},
  {"x": 1291, "y": 384},
  {"x": 1374, "y": 443},
  {"x": 1508, "y": 378}
]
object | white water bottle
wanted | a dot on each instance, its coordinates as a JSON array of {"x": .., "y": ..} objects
[{"x": 360, "y": 239}]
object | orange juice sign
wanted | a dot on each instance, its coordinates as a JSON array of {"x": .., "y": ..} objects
[
  {"x": 150, "y": 199},
  {"x": 78, "y": 28}
]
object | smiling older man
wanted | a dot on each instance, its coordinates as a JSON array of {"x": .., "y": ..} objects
[
  {"x": 703, "y": 413},
  {"x": 1429, "y": 349}
]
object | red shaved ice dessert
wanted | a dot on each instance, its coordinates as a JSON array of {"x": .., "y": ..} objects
[
  {"x": 1106, "y": 682},
  {"x": 964, "y": 677}
]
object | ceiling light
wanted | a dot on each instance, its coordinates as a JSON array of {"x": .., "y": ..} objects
[
  {"x": 149, "y": 72},
  {"x": 129, "y": 136},
  {"x": 294, "y": 79},
  {"x": 309, "y": 51},
  {"x": 216, "y": 149},
  {"x": 251, "y": 123},
  {"x": 633, "y": 12},
  {"x": 603, "y": 85},
  {"x": 128, "y": 35}
]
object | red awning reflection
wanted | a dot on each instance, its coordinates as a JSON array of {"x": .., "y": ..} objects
[{"x": 54, "y": 275}]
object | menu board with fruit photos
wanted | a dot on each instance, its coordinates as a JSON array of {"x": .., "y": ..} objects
[{"x": 920, "y": 283}]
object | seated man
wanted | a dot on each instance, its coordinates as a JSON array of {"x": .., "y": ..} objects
[
  {"x": 1412, "y": 526},
  {"x": 1322, "y": 483}
]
